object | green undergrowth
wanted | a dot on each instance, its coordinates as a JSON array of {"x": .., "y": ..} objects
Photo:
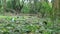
[{"x": 25, "y": 25}]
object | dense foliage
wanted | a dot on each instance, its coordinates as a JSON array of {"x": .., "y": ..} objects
[{"x": 24, "y": 6}]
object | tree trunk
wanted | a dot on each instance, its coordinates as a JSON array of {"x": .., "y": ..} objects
[{"x": 56, "y": 8}]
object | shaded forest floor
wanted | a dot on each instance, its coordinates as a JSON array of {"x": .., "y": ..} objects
[{"x": 11, "y": 23}]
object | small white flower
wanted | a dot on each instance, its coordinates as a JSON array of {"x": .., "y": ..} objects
[{"x": 12, "y": 20}]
